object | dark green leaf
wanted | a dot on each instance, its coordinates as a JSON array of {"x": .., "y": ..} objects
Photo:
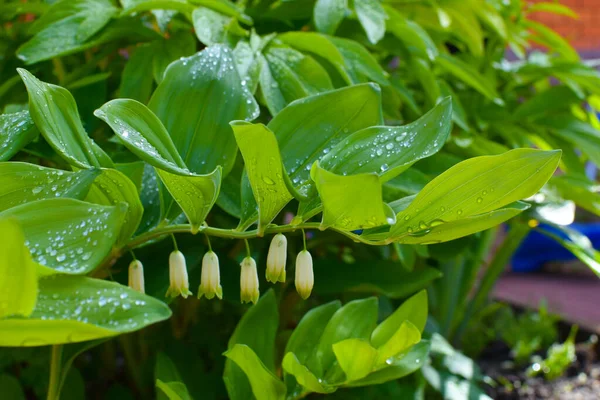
[{"x": 17, "y": 130}]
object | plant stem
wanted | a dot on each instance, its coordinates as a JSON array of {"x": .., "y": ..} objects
[
  {"x": 248, "y": 252},
  {"x": 55, "y": 367}
]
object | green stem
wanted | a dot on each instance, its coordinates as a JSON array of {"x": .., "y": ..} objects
[
  {"x": 248, "y": 252},
  {"x": 174, "y": 242},
  {"x": 304, "y": 239},
  {"x": 55, "y": 367}
]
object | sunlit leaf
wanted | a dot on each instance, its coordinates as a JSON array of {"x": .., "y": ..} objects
[
  {"x": 406, "y": 336},
  {"x": 356, "y": 358},
  {"x": 303, "y": 375},
  {"x": 414, "y": 310}
]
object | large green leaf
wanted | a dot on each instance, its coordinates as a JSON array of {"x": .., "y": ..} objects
[
  {"x": 259, "y": 148},
  {"x": 69, "y": 236},
  {"x": 54, "y": 112},
  {"x": 328, "y": 14},
  {"x": 142, "y": 133},
  {"x": 350, "y": 202},
  {"x": 66, "y": 24},
  {"x": 73, "y": 309},
  {"x": 195, "y": 194},
  {"x": 414, "y": 310},
  {"x": 23, "y": 183},
  {"x": 307, "y": 129},
  {"x": 19, "y": 286},
  {"x": 265, "y": 385},
  {"x": 113, "y": 187},
  {"x": 355, "y": 357},
  {"x": 17, "y": 130},
  {"x": 196, "y": 100},
  {"x": 473, "y": 187},
  {"x": 291, "y": 365},
  {"x": 388, "y": 151},
  {"x": 371, "y": 16}
]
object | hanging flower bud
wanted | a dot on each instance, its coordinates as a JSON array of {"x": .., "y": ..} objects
[
  {"x": 249, "y": 281},
  {"x": 136, "y": 276},
  {"x": 305, "y": 278},
  {"x": 210, "y": 280},
  {"x": 178, "y": 276},
  {"x": 276, "y": 259}
]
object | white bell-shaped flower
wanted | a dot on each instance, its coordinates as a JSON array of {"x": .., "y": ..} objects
[
  {"x": 249, "y": 281},
  {"x": 210, "y": 279},
  {"x": 305, "y": 277},
  {"x": 276, "y": 259},
  {"x": 178, "y": 276},
  {"x": 136, "y": 276}
]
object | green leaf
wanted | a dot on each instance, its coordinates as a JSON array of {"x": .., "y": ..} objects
[
  {"x": 414, "y": 310},
  {"x": 11, "y": 387},
  {"x": 412, "y": 35},
  {"x": 371, "y": 16},
  {"x": 399, "y": 367},
  {"x": 259, "y": 148},
  {"x": 470, "y": 76},
  {"x": 69, "y": 236},
  {"x": 73, "y": 309},
  {"x": 207, "y": 81},
  {"x": 583, "y": 135},
  {"x": 195, "y": 194},
  {"x": 308, "y": 128},
  {"x": 19, "y": 285},
  {"x": 287, "y": 75},
  {"x": 136, "y": 79},
  {"x": 54, "y": 112},
  {"x": 578, "y": 189},
  {"x": 403, "y": 339},
  {"x": 388, "y": 151},
  {"x": 173, "y": 390},
  {"x": 350, "y": 202},
  {"x": 265, "y": 385},
  {"x": 24, "y": 183},
  {"x": 249, "y": 208},
  {"x": 328, "y": 14},
  {"x": 210, "y": 26},
  {"x": 309, "y": 330},
  {"x": 66, "y": 24},
  {"x": 133, "y": 6},
  {"x": 247, "y": 63},
  {"x": 17, "y": 130},
  {"x": 372, "y": 276},
  {"x": 142, "y": 133},
  {"x": 361, "y": 66},
  {"x": 113, "y": 187},
  {"x": 150, "y": 198},
  {"x": 472, "y": 187},
  {"x": 303, "y": 375},
  {"x": 257, "y": 329},
  {"x": 180, "y": 44},
  {"x": 355, "y": 357},
  {"x": 356, "y": 319},
  {"x": 554, "y": 8}
]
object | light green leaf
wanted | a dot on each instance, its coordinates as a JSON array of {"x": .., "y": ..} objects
[
  {"x": 399, "y": 367},
  {"x": 72, "y": 309},
  {"x": 388, "y": 151},
  {"x": 355, "y": 357},
  {"x": 23, "y": 183},
  {"x": 287, "y": 75},
  {"x": 136, "y": 79},
  {"x": 259, "y": 148},
  {"x": 371, "y": 16},
  {"x": 356, "y": 319},
  {"x": 265, "y": 385},
  {"x": 583, "y": 135},
  {"x": 54, "y": 112},
  {"x": 142, "y": 133},
  {"x": 350, "y": 202},
  {"x": 112, "y": 187},
  {"x": 209, "y": 84},
  {"x": 308, "y": 128},
  {"x": 472, "y": 188},
  {"x": 554, "y": 8},
  {"x": 66, "y": 24},
  {"x": 413, "y": 309},
  {"x": 328, "y": 14},
  {"x": 403, "y": 339},
  {"x": 19, "y": 285},
  {"x": 69, "y": 236},
  {"x": 195, "y": 194},
  {"x": 17, "y": 130},
  {"x": 303, "y": 375},
  {"x": 470, "y": 76},
  {"x": 248, "y": 64},
  {"x": 133, "y": 6},
  {"x": 173, "y": 390},
  {"x": 210, "y": 26},
  {"x": 309, "y": 330}
]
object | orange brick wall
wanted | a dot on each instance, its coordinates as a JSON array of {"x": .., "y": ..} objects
[{"x": 583, "y": 33}]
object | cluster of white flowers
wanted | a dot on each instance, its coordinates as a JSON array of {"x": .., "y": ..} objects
[{"x": 210, "y": 280}]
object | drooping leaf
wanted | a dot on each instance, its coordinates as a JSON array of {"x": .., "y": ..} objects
[
  {"x": 371, "y": 16},
  {"x": 195, "y": 194},
  {"x": 413, "y": 309},
  {"x": 355, "y": 357},
  {"x": 472, "y": 188},
  {"x": 350, "y": 202},
  {"x": 17, "y": 130},
  {"x": 303, "y": 375},
  {"x": 19, "y": 285},
  {"x": 54, "y": 112},
  {"x": 23, "y": 183},
  {"x": 259, "y": 148},
  {"x": 209, "y": 83},
  {"x": 112, "y": 187},
  {"x": 328, "y": 14},
  {"x": 69, "y": 236},
  {"x": 72, "y": 309}
]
